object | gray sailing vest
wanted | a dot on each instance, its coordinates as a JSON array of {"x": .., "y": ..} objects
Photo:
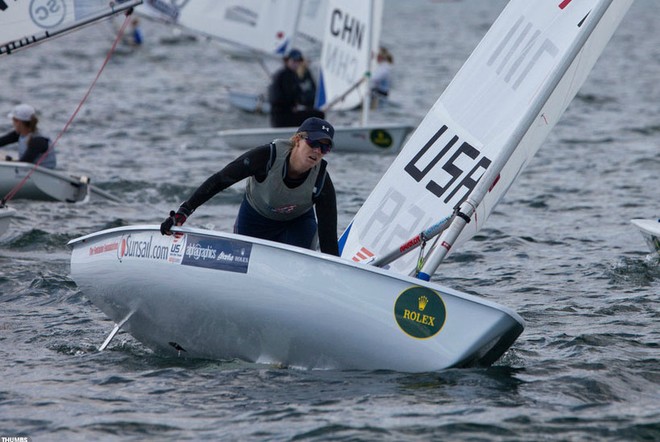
[
  {"x": 48, "y": 162},
  {"x": 273, "y": 199}
]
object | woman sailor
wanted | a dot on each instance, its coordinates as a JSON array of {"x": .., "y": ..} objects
[
  {"x": 31, "y": 144},
  {"x": 287, "y": 183}
]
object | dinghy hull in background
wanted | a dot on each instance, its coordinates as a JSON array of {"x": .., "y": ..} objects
[
  {"x": 46, "y": 184},
  {"x": 650, "y": 230},
  {"x": 221, "y": 296},
  {"x": 248, "y": 102},
  {"x": 373, "y": 138}
]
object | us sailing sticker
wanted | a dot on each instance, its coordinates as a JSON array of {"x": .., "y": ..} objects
[{"x": 420, "y": 312}]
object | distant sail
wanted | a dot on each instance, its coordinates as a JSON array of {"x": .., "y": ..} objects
[
  {"x": 23, "y": 23},
  {"x": 497, "y": 111},
  {"x": 347, "y": 51},
  {"x": 311, "y": 20},
  {"x": 262, "y": 26}
]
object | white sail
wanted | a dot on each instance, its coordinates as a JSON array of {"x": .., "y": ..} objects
[
  {"x": 347, "y": 51},
  {"x": 262, "y": 26},
  {"x": 493, "y": 116},
  {"x": 23, "y": 23},
  {"x": 311, "y": 20}
]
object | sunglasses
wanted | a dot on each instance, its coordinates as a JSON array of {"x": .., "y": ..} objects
[{"x": 324, "y": 145}]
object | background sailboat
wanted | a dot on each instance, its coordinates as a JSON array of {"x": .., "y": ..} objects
[
  {"x": 351, "y": 34},
  {"x": 23, "y": 24},
  {"x": 257, "y": 31},
  {"x": 26, "y": 23},
  {"x": 40, "y": 183}
]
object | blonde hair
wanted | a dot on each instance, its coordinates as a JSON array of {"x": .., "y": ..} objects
[
  {"x": 297, "y": 136},
  {"x": 30, "y": 125},
  {"x": 386, "y": 55}
]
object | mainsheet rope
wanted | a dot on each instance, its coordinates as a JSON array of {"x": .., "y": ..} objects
[{"x": 18, "y": 186}]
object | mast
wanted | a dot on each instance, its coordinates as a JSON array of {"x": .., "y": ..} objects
[{"x": 366, "y": 99}]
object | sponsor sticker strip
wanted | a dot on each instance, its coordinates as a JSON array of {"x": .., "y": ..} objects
[{"x": 186, "y": 249}]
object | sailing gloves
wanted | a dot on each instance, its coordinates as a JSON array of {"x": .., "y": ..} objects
[{"x": 175, "y": 219}]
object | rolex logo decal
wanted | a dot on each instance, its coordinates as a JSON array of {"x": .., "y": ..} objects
[
  {"x": 381, "y": 138},
  {"x": 420, "y": 312}
]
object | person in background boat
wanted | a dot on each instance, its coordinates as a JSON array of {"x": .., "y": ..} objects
[
  {"x": 287, "y": 183},
  {"x": 307, "y": 85},
  {"x": 32, "y": 145},
  {"x": 288, "y": 105},
  {"x": 135, "y": 37},
  {"x": 381, "y": 78}
]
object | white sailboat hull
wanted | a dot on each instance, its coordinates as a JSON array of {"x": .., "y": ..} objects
[
  {"x": 222, "y": 296},
  {"x": 46, "y": 184},
  {"x": 650, "y": 230},
  {"x": 6, "y": 215},
  {"x": 372, "y": 138},
  {"x": 249, "y": 102}
]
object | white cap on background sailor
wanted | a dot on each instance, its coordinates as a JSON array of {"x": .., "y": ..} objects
[{"x": 22, "y": 112}]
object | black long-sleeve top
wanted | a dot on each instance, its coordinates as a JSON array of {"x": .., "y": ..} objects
[
  {"x": 256, "y": 163},
  {"x": 37, "y": 146},
  {"x": 284, "y": 91}
]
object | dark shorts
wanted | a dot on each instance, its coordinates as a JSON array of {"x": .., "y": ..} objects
[{"x": 299, "y": 231}]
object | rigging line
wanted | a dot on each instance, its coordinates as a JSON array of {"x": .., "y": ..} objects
[{"x": 18, "y": 186}]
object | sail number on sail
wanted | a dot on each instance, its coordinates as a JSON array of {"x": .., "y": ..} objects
[
  {"x": 449, "y": 189},
  {"x": 45, "y": 14},
  {"x": 345, "y": 39},
  {"x": 448, "y": 167}
]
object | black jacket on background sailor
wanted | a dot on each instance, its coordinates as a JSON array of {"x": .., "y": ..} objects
[
  {"x": 291, "y": 102},
  {"x": 31, "y": 148}
]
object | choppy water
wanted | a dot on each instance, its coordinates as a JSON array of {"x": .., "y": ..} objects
[{"x": 559, "y": 250}]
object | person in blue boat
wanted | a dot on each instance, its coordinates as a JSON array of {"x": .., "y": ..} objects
[
  {"x": 288, "y": 185},
  {"x": 32, "y": 145},
  {"x": 136, "y": 38},
  {"x": 288, "y": 94}
]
